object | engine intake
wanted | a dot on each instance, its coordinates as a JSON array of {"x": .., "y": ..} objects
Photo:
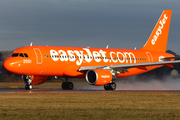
[{"x": 98, "y": 77}]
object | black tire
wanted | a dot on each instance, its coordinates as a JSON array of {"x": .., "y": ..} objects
[
  {"x": 64, "y": 86},
  {"x": 112, "y": 86},
  {"x": 106, "y": 87},
  {"x": 70, "y": 86},
  {"x": 28, "y": 87}
]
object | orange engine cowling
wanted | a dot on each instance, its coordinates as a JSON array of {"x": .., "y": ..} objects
[
  {"x": 35, "y": 80},
  {"x": 98, "y": 77}
]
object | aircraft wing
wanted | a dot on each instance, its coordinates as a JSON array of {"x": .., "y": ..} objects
[{"x": 126, "y": 66}]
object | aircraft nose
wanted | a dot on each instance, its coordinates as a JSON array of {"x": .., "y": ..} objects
[{"x": 8, "y": 65}]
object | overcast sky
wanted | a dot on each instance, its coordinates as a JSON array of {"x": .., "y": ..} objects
[{"x": 94, "y": 23}]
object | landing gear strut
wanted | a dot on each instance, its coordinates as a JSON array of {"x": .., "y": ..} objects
[
  {"x": 27, "y": 80},
  {"x": 110, "y": 86},
  {"x": 67, "y": 85}
]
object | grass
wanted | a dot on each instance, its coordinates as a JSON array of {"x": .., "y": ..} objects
[{"x": 90, "y": 105}]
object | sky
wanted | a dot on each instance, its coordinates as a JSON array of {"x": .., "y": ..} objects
[{"x": 93, "y": 23}]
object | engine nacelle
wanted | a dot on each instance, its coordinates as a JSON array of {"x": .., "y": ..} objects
[
  {"x": 98, "y": 77},
  {"x": 34, "y": 80}
]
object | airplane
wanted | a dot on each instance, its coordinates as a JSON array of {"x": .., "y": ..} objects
[{"x": 99, "y": 66}]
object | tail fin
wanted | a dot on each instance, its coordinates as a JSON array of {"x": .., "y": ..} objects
[{"x": 159, "y": 36}]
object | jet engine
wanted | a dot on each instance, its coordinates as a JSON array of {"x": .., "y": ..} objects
[
  {"x": 34, "y": 80},
  {"x": 98, "y": 77}
]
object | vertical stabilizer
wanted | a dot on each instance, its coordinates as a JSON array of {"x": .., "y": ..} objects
[{"x": 159, "y": 36}]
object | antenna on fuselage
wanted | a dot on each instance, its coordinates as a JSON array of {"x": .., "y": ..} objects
[
  {"x": 107, "y": 46},
  {"x": 135, "y": 48},
  {"x": 31, "y": 44}
]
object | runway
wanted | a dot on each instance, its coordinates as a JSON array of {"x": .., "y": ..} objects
[{"x": 60, "y": 90}]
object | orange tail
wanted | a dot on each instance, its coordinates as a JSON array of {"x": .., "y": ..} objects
[{"x": 159, "y": 36}]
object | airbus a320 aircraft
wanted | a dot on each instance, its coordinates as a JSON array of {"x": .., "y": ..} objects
[{"x": 99, "y": 66}]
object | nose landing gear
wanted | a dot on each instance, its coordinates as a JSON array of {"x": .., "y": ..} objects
[
  {"x": 27, "y": 80},
  {"x": 28, "y": 87}
]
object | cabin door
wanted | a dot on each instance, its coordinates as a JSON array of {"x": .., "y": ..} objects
[
  {"x": 39, "y": 58},
  {"x": 150, "y": 57}
]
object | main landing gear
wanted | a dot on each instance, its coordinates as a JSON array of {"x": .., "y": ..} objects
[
  {"x": 67, "y": 85},
  {"x": 110, "y": 86}
]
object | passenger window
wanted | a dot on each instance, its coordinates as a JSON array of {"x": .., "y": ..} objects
[
  {"x": 25, "y": 55},
  {"x": 15, "y": 54}
]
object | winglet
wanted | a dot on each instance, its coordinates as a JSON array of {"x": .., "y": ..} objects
[{"x": 159, "y": 36}]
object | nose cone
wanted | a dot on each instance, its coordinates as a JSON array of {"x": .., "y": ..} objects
[
  {"x": 10, "y": 65},
  {"x": 7, "y": 65}
]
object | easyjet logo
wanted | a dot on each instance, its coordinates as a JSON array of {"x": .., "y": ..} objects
[
  {"x": 85, "y": 55},
  {"x": 105, "y": 76},
  {"x": 159, "y": 30}
]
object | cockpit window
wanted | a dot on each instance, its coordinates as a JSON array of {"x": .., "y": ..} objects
[
  {"x": 25, "y": 55},
  {"x": 15, "y": 54},
  {"x": 21, "y": 55}
]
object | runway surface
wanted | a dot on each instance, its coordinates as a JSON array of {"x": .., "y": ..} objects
[{"x": 60, "y": 90}]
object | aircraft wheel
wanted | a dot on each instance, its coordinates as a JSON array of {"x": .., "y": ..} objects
[
  {"x": 106, "y": 87},
  {"x": 70, "y": 85},
  {"x": 64, "y": 85},
  {"x": 28, "y": 87},
  {"x": 112, "y": 86}
]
